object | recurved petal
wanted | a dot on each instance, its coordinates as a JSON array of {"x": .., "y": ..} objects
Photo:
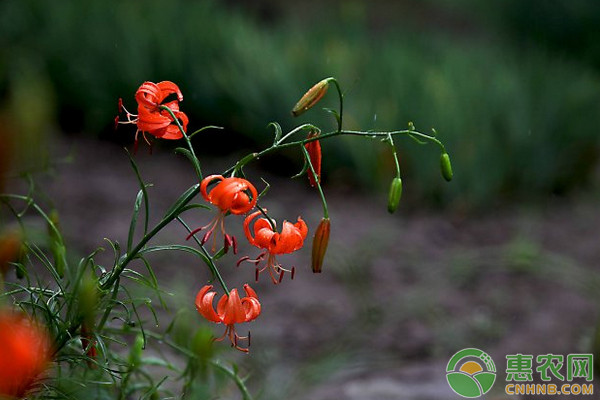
[
  {"x": 205, "y": 182},
  {"x": 264, "y": 236},
  {"x": 148, "y": 95},
  {"x": 167, "y": 88},
  {"x": 251, "y": 308},
  {"x": 222, "y": 194},
  {"x": 151, "y": 121},
  {"x": 172, "y": 131},
  {"x": 249, "y": 291},
  {"x": 302, "y": 228},
  {"x": 241, "y": 203},
  {"x": 230, "y": 308},
  {"x": 290, "y": 240},
  {"x": 204, "y": 304},
  {"x": 247, "y": 222}
]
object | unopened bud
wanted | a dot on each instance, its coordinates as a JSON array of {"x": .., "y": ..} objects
[
  {"x": 311, "y": 97},
  {"x": 320, "y": 241},
  {"x": 446, "y": 167},
  {"x": 314, "y": 152},
  {"x": 395, "y": 195},
  {"x": 88, "y": 297},
  {"x": 135, "y": 354}
]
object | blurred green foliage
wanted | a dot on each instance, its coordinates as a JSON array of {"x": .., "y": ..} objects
[{"x": 517, "y": 109}]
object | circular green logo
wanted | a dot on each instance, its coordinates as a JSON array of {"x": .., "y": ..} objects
[{"x": 471, "y": 373}]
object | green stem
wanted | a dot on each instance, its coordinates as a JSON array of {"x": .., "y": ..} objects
[
  {"x": 271, "y": 222},
  {"x": 187, "y": 140},
  {"x": 324, "y": 136},
  {"x": 395, "y": 154},
  {"x": 116, "y": 272}
]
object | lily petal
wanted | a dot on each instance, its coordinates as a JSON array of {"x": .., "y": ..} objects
[{"x": 204, "y": 304}]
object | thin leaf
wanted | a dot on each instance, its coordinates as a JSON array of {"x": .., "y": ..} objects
[
  {"x": 134, "y": 218},
  {"x": 278, "y": 131},
  {"x": 143, "y": 189}
]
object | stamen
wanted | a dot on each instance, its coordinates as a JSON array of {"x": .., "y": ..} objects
[
  {"x": 227, "y": 242},
  {"x": 234, "y": 240},
  {"x": 135, "y": 142},
  {"x": 206, "y": 237},
  {"x": 192, "y": 233},
  {"x": 241, "y": 260}
]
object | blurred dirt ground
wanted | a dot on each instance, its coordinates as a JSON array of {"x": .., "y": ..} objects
[{"x": 398, "y": 294}]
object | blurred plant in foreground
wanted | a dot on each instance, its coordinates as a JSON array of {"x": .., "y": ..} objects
[{"x": 94, "y": 313}]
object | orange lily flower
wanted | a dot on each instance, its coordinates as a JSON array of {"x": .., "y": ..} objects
[
  {"x": 230, "y": 310},
  {"x": 314, "y": 152},
  {"x": 25, "y": 353},
  {"x": 265, "y": 237},
  {"x": 151, "y": 118},
  {"x": 231, "y": 195}
]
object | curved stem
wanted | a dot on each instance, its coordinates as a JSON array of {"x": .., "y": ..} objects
[
  {"x": 195, "y": 160},
  {"x": 395, "y": 154},
  {"x": 324, "y": 136},
  {"x": 264, "y": 212}
]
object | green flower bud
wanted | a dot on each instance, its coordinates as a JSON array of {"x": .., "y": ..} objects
[
  {"x": 88, "y": 297},
  {"x": 446, "y": 167},
  {"x": 311, "y": 97},
  {"x": 395, "y": 195},
  {"x": 135, "y": 354}
]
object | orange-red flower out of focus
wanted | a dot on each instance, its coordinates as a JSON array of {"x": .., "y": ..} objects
[
  {"x": 230, "y": 310},
  {"x": 25, "y": 353},
  {"x": 265, "y": 237},
  {"x": 314, "y": 152},
  {"x": 10, "y": 249},
  {"x": 153, "y": 119},
  {"x": 231, "y": 195}
]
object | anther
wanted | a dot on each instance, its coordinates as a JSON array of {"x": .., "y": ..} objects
[
  {"x": 205, "y": 237},
  {"x": 281, "y": 273},
  {"x": 241, "y": 260},
  {"x": 293, "y": 272},
  {"x": 256, "y": 274},
  {"x": 192, "y": 233}
]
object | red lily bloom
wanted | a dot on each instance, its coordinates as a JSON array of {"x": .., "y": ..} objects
[
  {"x": 231, "y": 195},
  {"x": 231, "y": 310},
  {"x": 24, "y": 354},
  {"x": 314, "y": 153},
  {"x": 265, "y": 237},
  {"x": 151, "y": 118}
]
